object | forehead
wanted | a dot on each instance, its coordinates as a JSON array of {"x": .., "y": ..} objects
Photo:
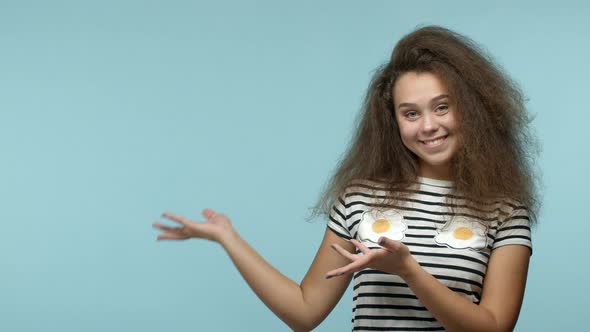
[{"x": 418, "y": 87}]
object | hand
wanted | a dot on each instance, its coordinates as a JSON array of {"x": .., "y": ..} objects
[
  {"x": 394, "y": 257},
  {"x": 214, "y": 228}
]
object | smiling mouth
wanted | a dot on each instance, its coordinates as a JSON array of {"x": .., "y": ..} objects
[{"x": 435, "y": 141}]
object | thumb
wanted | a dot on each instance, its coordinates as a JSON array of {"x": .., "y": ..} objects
[
  {"x": 208, "y": 213},
  {"x": 388, "y": 243}
]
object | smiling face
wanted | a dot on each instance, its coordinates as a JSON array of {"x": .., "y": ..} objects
[{"x": 427, "y": 122}]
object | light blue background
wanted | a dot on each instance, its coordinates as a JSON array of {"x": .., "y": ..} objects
[{"x": 112, "y": 112}]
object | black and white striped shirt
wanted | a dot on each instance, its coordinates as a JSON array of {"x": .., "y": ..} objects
[{"x": 452, "y": 244}]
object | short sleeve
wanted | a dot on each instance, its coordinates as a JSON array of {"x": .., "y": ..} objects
[
  {"x": 515, "y": 229},
  {"x": 337, "y": 221}
]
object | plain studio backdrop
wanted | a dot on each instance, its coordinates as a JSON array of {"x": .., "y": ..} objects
[{"x": 112, "y": 112}]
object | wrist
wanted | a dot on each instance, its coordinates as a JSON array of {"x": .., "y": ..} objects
[
  {"x": 411, "y": 269},
  {"x": 227, "y": 237}
]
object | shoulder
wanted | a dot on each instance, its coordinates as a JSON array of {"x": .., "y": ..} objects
[
  {"x": 511, "y": 209},
  {"x": 514, "y": 225}
]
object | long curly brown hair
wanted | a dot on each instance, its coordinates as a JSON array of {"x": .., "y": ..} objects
[{"x": 498, "y": 148}]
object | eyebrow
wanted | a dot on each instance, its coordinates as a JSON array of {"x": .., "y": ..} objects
[{"x": 432, "y": 101}]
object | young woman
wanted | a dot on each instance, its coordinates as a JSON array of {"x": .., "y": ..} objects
[{"x": 429, "y": 210}]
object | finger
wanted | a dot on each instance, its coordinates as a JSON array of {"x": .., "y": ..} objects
[
  {"x": 172, "y": 236},
  {"x": 336, "y": 273},
  {"x": 350, "y": 268},
  {"x": 333, "y": 273},
  {"x": 388, "y": 243},
  {"x": 166, "y": 228},
  {"x": 208, "y": 213},
  {"x": 176, "y": 218},
  {"x": 360, "y": 246},
  {"x": 343, "y": 252}
]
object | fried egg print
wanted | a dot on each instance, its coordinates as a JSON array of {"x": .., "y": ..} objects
[
  {"x": 375, "y": 224},
  {"x": 461, "y": 233}
]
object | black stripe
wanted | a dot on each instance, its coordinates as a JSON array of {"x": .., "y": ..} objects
[
  {"x": 429, "y": 228},
  {"x": 435, "y": 194},
  {"x": 344, "y": 236},
  {"x": 352, "y": 214},
  {"x": 434, "y": 185},
  {"x": 500, "y": 239},
  {"x": 527, "y": 228},
  {"x": 386, "y": 295},
  {"x": 412, "y": 244},
  {"x": 382, "y": 197},
  {"x": 453, "y": 267},
  {"x": 464, "y": 291},
  {"x": 339, "y": 213},
  {"x": 517, "y": 218},
  {"x": 419, "y": 236},
  {"x": 476, "y": 202},
  {"x": 422, "y": 245},
  {"x": 391, "y": 328},
  {"x": 398, "y": 207},
  {"x": 423, "y": 192},
  {"x": 404, "y": 285},
  {"x": 419, "y": 201},
  {"x": 380, "y": 283},
  {"x": 472, "y": 282},
  {"x": 517, "y": 207},
  {"x": 431, "y": 193},
  {"x": 374, "y": 188},
  {"x": 462, "y": 257},
  {"x": 413, "y": 210},
  {"x": 437, "y": 276},
  {"x": 410, "y": 318},
  {"x": 428, "y": 193},
  {"x": 353, "y": 224},
  {"x": 425, "y": 219},
  {"x": 389, "y": 306},
  {"x": 337, "y": 222}
]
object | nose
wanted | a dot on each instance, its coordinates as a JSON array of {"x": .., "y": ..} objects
[{"x": 429, "y": 123}]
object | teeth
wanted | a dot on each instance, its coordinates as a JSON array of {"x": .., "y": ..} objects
[{"x": 436, "y": 141}]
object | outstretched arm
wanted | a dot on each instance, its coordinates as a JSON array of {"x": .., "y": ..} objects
[
  {"x": 501, "y": 297},
  {"x": 303, "y": 306}
]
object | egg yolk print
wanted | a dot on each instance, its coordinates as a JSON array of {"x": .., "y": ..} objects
[
  {"x": 461, "y": 233},
  {"x": 375, "y": 224},
  {"x": 381, "y": 226}
]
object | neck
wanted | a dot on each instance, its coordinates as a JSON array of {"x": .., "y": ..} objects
[{"x": 438, "y": 172}]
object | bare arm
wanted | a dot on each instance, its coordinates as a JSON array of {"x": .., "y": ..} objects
[
  {"x": 502, "y": 293},
  {"x": 501, "y": 298},
  {"x": 302, "y": 307}
]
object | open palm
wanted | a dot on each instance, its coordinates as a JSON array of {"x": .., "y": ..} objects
[
  {"x": 393, "y": 257},
  {"x": 212, "y": 228}
]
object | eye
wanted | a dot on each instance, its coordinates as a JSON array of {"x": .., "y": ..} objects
[
  {"x": 411, "y": 114},
  {"x": 442, "y": 109}
]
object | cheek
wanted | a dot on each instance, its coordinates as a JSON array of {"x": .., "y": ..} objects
[
  {"x": 407, "y": 133},
  {"x": 408, "y": 139},
  {"x": 452, "y": 122}
]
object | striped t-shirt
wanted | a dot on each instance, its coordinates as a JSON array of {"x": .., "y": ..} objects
[{"x": 452, "y": 244}]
